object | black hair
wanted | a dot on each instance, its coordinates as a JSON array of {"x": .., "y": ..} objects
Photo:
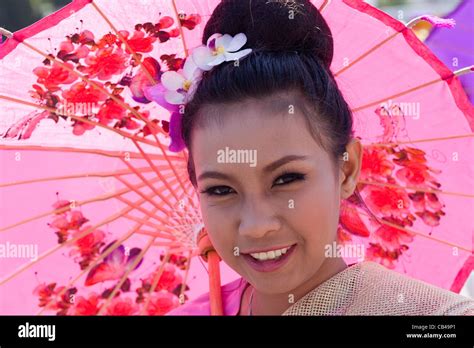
[{"x": 292, "y": 50}]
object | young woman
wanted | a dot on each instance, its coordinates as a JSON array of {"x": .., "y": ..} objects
[{"x": 271, "y": 219}]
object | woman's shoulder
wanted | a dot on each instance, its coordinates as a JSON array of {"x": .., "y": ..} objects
[
  {"x": 398, "y": 294},
  {"x": 231, "y": 293},
  {"x": 368, "y": 288}
]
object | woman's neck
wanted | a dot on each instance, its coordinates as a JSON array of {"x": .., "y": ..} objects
[{"x": 265, "y": 304}]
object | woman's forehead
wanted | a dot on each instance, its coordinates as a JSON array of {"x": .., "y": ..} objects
[
  {"x": 251, "y": 130},
  {"x": 287, "y": 102}
]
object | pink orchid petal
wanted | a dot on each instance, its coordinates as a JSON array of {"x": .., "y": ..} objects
[
  {"x": 237, "y": 42},
  {"x": 224, "y": 41},
  {"x": 236, "y": 55},
  {"x": 174, "y": 97},
  {"x": 189, "y": 68},
  {"x": 202, "y": 56},
  {"x": 219, "y": 59},
  {"x": 177, "y": 143},
  {"x": 157, "y": 93},
  {"x": 192, "y": 90},
  {"x": 213, "y": 37},
  {"x": 172, "y": 80}
]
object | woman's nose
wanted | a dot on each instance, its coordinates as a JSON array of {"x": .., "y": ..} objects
[{"x": 258, "y": 217}]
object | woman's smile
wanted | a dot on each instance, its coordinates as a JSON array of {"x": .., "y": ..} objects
[{"x": 270, "y": 261}]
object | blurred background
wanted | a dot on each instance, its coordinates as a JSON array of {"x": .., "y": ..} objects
[{"x": 16, "y": 14}]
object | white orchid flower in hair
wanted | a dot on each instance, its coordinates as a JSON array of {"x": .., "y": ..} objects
[
  {"x": 220, "y": 48},
  {"x": 180, "y": 84}
]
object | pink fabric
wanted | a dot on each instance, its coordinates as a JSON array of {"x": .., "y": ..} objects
[{"x": 231, "y": 298}]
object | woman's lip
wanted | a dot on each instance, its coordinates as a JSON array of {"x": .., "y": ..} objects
[
  {"x": 269, "y": 265},
  {"x": 268, "y": 249}
]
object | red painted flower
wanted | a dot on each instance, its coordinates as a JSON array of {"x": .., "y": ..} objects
[
  {"x": 161, "y": 303},
  {"x": 422, "y": 201},
  {"x": 131, "y": 124},
  {"x": 375, "y": 164},
  {"x": 409, "y": 155},
  {"x": 139, "y": 43},
  {"x": 67, "y": 51},
  {"x": 76, "y": 220},
  {"x": 60, "y": 223},
  {"x": 387, "y": 201},
  {"x": 81, "y": 92},
  {"x": 144, "y": 78},
  {"x": 114, "y": 265},
  {"x": 46, "y": 292},
  {"x": 61, "y": 204},
  {"x": 80, "y": 128},
  {"x": 86, "y": 306},
  {"x": 414, "y": 174},
  {"x": 391, "y": 238},
  {"x": 51, "y": 78},
  {"x": 54, "y": 298},
  {"x": 351, "y": 221},
  {"x": 169, "y": 279},
  {"x": 88, "y": 246},
  {"x": 67, "y": 221},
  {"x": 85, "y": 37},
  {"x": 431, "y": 218},
  {"x": 174, "y": 32},
  {"x": 110, "y": 110},
  {"x": 122, "y": 306},
  {"x": 107, "y": 40},
  {"x": 107, "y": 62},
  {"x": 90, "y": 243},
  {"x": 386, "y": 258},
  {"x": 342, "y": 236},
  {"x": 190, "y": 21},
  {"x": 164, "y": 23}
]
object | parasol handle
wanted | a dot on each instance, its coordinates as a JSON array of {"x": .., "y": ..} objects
[{"x": 209, "y": 254}]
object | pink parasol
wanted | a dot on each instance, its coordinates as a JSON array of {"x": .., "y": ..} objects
[{"x": 89, "y": 180}]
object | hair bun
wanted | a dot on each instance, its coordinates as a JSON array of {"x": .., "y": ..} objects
[{"x": 274, "y": 25}]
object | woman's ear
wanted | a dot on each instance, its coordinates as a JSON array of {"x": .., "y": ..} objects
[{"x": 350, "y": 169}]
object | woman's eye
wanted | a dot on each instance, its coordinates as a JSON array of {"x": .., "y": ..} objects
[
  {"x": 289, "y": 178},
  {"x": 284, "y": 179},
  {"x": 217, "y": 190}
]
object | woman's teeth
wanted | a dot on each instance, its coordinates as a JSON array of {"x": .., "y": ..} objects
[{"x": 269, "y": 255}]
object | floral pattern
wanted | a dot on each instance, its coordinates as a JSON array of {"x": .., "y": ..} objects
[
  {"x": 116, "y": 68},
  {"x": 134, "y": 295},
  {"x": 394, "y": 192}
]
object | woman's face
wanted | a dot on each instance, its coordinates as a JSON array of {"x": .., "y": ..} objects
[{"x": 285, "y": 192}]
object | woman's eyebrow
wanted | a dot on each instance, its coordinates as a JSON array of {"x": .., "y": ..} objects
[
  {"x": 213, "y": 175},
  {"x": 278, "y": 163},
  {"x": 267, "y": 169}
]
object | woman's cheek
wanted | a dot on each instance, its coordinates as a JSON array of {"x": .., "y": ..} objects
[
  {"x": 218, "y": 225},
  {"x": 316, "y": 218}
]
